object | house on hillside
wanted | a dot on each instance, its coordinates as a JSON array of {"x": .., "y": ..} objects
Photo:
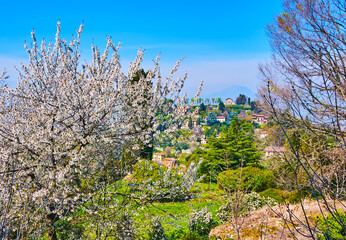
[
  {"x": 263, "y": 134},
  {"x": 260, "y": 119},
  {"x": 188, "y": 151},
  {"x": 204, "y": 141},
  {"x": 221, "y": 119},
  {"x": 271, "y": 151},
  {"x": 194, "y": 122},
  {"x": 158, "y": 157},
  {"x": 228, "y": 102},
  {"x": 170, "y": 162}
]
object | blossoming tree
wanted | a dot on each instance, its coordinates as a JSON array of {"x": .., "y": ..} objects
[{"x": 65, "y": 127}]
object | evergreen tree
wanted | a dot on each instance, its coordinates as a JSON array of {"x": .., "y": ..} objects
[
  {"x": 221, "y": 106},
  {"x": 211, "y": 119},
  {"x": 202, "y": 108},
  {"x": 230, "y": 117},
  {"x": 241, "y": 99},
  {"x": 235, "y": 148}
]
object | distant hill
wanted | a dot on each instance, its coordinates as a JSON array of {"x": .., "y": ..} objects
[{"x": 232, "y": 92}]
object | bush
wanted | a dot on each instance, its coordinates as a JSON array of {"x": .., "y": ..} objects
[
  {"x": 201, "y": 222},
  {"x": 332, "y": 227},
  {"x": 282, "y": 196},
  {"x": 246, "y": 179},
  {"x": 157, "y": 232},
  {"x": 67, "y": 230},
  {"x": 161, "y": 184},
  {"x": 146, "y": 169},
  {"x": 243, "y": 204}
]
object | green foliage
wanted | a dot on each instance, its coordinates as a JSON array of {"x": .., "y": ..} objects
[
  {"x": 255, "y": 106},
  {"x": 202, "y": 108},
  {"x": 332, "y": 227},
  {"x": 157, "y": 232},
  {"x": 254, "y": 201},
  {"x": 145, "y": 170},
  {"x": 246, "y": 179},
  {"x": 238, "y": 108},
  {"x": 230, "y": 117},
  {"x": 221, "y": 106},
  {"x": 241, "y": 99},
  {"x": 241, "y": 204},
  {"x": 182, "y": 146},
  {"x": 67, "y": 230},
  {"x": 211, "y": 131},
  {"x": 235, "y": 148},
  {"x": 211, "y": 119},
  {"x": 282, "y": 196},
  {"x": 195, "y": 156}
]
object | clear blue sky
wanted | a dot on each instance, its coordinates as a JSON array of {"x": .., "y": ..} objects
[{"x": 223, "y": 41}]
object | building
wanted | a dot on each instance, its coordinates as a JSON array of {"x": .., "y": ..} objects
[
  {"x": 188, "y": 151},
  {"x": 221, "y": 119},
  {"x": 170, "y": 162},
  {"x": 260, "y": 119},
  {"x": 229, "y": 101},
  {"x": 263, "y": 134},
  {"x": 158, "y": 157},
  {"x": 271, "y": 151}
]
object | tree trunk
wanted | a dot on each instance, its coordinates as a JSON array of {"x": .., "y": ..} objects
[{"x": 52, "y": 218}]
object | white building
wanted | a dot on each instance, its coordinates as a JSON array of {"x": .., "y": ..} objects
[
  {"x": 229, "y": 101},
  {"x": 221, "y": 119}
]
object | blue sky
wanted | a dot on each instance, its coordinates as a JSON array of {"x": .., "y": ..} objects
[{"x": 223, "y": 41}]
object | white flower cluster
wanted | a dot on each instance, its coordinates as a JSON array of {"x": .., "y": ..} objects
[
  {"x": 170, "y": 184},
  {"x": 157, "y": 232},
  {"x": 243, "y": 204},
  {"x": 66, "y": 127},
  {"x": 201, "y": 221}
]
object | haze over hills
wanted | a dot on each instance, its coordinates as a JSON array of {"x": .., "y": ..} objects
[{"x": 231, "y": 92}]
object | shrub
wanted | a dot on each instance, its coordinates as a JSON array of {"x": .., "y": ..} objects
[
  {"x": 332, "y": 227},
  {"x": 253, "y": 201},
  {"x": 145, "y": 170},
  {"x": 246, "y": 179},
  {"x": 282, "y": 196},
  {"x": 67, "y": 230},
  {"x": 201, "y": 222},
  {"x": 161, "y": 184},
  {"x": 243, "y": 204},
  {"x": 157, "y": 232}
]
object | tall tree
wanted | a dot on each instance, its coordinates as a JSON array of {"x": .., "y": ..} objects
[
  {"x": 211, "y": 119},
  {"x": 221, "y": 106},
  {"x": 307, "y": 78},
  {"x": 241, "y": 99},
  {"x": 202, "y": 108},
  {"x": 235, "y": 148},
  {"x": 65, "y": 124}
]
